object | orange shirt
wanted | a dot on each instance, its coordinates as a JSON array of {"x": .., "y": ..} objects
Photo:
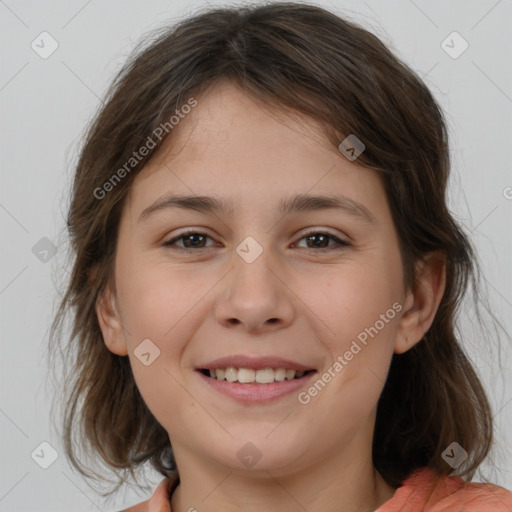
[{"x": 418, "y": 493}]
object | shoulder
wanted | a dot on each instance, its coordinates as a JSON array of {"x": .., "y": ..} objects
[
  {"x": 427, "y": 492},
  {"x": 159, "y": 501}
]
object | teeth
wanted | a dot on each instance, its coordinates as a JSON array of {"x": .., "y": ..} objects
[
  {"x": 248, "y": 376},
  {"x": 231, "y": 374},
  {"x": 280, "y": 374}
]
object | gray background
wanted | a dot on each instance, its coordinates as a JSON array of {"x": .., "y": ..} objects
[{"x": 45, "y": 104}]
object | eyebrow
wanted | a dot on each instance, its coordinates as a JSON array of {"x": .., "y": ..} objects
[{"x": 298, "y": 203}]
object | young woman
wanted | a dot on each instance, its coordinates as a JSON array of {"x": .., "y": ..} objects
[{"x": 266, "y": 277}]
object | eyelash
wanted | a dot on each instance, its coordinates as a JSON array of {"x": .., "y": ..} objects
[{"x": 341, "y": 243}]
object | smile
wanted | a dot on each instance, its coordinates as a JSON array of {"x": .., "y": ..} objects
[
  {"x": 250, "y": 376},
  {"x": 245, "y": 385}
]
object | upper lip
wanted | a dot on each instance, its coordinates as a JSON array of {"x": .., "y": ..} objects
[{"x": 254, "y": 363}]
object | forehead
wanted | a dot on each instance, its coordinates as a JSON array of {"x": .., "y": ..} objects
[
  {"x": 227, "y": 117},
  {"x": 231, "y": 145}
]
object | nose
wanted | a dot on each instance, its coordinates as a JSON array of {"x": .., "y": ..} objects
[{"x": 254, "y": 296}]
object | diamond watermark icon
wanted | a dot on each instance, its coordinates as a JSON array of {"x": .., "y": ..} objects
[
  {"x": 249, "y": 249},
  {"x": 44, "y": 250},
  {"x": 454, "y": 45},
  {"x": 249, "y": 454},
  {"x": 44, "y": 455},
  {"x": 44, "y": 45},
  {"x": 351, "y": 147},
  {"x": 454, "y": 455},
  {"x": 146, "y": 352}
]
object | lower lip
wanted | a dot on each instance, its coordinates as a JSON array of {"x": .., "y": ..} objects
[{"x": 250, "y": 393}]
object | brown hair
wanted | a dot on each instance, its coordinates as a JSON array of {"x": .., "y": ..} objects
[{"x": 309, "y": 61}]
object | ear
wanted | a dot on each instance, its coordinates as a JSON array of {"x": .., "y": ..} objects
[
  {"x": 110, "y": 322},
  {"x": 422, "y": 302}
]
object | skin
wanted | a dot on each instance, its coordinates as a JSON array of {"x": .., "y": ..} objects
[{"x": 293, "y": 301}]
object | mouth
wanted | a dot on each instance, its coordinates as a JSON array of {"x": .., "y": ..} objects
[
  {"x": 262, "y": 376},
  {"x": 255, "y": 386}
]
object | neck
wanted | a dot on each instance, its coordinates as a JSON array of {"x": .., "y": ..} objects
[{"x": 346, "y": 481}]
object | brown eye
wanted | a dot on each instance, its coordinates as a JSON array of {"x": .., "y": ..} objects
[
  {"x": 315, "y": 240},
  {"x": 191, "y": 239},
  {"x": 320, "y": 240}
]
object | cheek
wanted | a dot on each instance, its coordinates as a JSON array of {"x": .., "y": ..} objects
[
  {"x": 356, "y": 296},
  {"x": 357, "y": 304},
  {"x": 156, "y": 296},
  {"x": 360, "y": 304},
  {"x": 160, "y": 304}
]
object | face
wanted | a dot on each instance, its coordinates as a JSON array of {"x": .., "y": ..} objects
[{"x": 318, "y": 287}]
